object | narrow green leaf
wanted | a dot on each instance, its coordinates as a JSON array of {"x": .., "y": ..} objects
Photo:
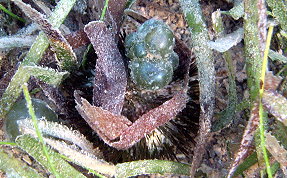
[
  {"x": 64, "y": 52},
  {"x": 252, "y": 48},
  {"x": 247, "y": 163},
  {"x": 38, "y": 132},
  {"x": 58, "y": 131},
  {"x": 229, "y": 112},
  {"x": 11, "y": 14},
  {"x": 8, "y": 143},
  {"x": 135, "y": 168},
  {"x": 206, "y": 73},
  {"x": 236, "y": 12},
  {"x": 279, "y": 11},
  {"x": 47, "y": 75},
  {"x": 104, "y": 10},
  {"x": 82, "y": 158},
  {"x": 34, "y": 149},
  {"x": 7, "y": 42},
  {"x": 13, "y": 167},
  {"x": 275, "y": 56},
  {"x": 261, "y": 110}
]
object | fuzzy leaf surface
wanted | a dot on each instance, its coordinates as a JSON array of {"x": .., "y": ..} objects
[
  {"x": 110, "y": 79},
  {"x": 13, "y": 167},
  {"x": 276, "y": 105},
  {"x": 34, "y": 149},
  {"x": 135, "y": 168},
  {"x": 65, "y": 55},
  {"x": 277, "y": 151},
  {"x": 247, "y": 139}
]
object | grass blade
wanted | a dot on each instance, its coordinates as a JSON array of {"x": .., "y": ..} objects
[
  {"x": 15, "y": 168},
  {"x": 135, "y": 168},
  {"x": 38, "y": 132},
  {"x": 34, "y": 149}
]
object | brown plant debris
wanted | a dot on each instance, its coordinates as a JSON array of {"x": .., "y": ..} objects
[
  {"x": 117, "y": 131},
  {"x": 277, "y": 151},
  {"x": 274, "y": 102},
  {"x": 271, "y": 81},
  {"x": 247, "y": 138},
  {"x": 276, "y": 105},
  {"x": 110, "y": 79},
  {"x": 77, "y": 39}
]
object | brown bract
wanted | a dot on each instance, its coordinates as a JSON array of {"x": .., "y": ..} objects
[{"x": 117, "y": 131}]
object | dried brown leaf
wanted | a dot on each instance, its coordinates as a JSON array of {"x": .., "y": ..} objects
[
  {"x": 271, "y": 81},
  {"x": 110, "y": 126},
  {"x": 277, "y": 151},
  {"x": 276, "y": 105},
  {"x": 110, "y": 78},
  {"x": 151, "y": 120},
  {"x": 246, "y": 139},
  {"x": 77, "y": 39}
]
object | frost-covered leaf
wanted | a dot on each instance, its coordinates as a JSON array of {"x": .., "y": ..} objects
[
  {"x": 236, "y": 12},
  {"x": 279, "y": 11},
  {"x": 272, "y": 81},
  {"x": 13, "y": 167},
  {"x": 206, "y": 75},
  {"x": 154, "y": 118},
  {"x": 247, "y": 138},
  {"x": 16, "y": 41},
  {"x": 56, "y": 130},
  {"x": 46, "y": 74},
  {"x": 277, "y": 151},
  {"x": 34, "y": 149},
  {"x": 82, "y": 158},
  {"x": 110, "y": 126},
  {"x": 34, "y": 55},
  {"x": 225, "y": 43},
  {"x": 275, "y": 56},
  {"x": 141, "y": 167},
  {"x": 110, "y": 78},
  {"x": 65, "y": 55},
  {"x": 276, "y": 105}
]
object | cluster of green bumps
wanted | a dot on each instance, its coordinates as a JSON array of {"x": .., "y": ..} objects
[{"x": 150, "y": 50}]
